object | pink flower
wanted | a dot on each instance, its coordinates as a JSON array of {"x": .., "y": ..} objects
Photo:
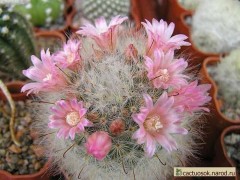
[
  {"x": 164, "y": 71},
  {"x": 69, "y": 57},
  {"x": 104, "y": 35},
  {"x": 47, "y": 76},
  {"x": 159, "y": 36},
  {"x": 99, "y": 144},
  {"x": 157, "y": 123},
  {"x": 69, "y": 118},
  {"x": 192, "y": 97}
]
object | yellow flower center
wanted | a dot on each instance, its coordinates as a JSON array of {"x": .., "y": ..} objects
[
  {"x": 153, "y": 124},
  {"x": 70, "y": 58},
  {"x": 163, "y": 75},
  {"x": 73, "y": 118},
  {"x": 48, "y": 77}
]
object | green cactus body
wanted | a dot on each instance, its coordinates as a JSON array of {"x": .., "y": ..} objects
[
  {"x": 93, "y": 9},
  {"x": 16, "y": 42},
  {"x": 41, "y": 12}
]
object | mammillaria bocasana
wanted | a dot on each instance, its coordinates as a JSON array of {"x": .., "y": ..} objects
[{"x": 115, "y": 103}]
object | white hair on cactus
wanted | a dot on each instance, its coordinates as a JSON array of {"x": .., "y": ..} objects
[
  {"x": 215, "y": 26},
  {"x": 109, "y": 84},
  {"x": 227, "y": 76},
  {"x": 76, "y": 160},
  {"x": 189, "y": 4}
]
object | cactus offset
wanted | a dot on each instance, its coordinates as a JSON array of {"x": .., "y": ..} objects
[
  {"x": 93, "y": 9},
  {"x": 16, "y": 42},
  {"x": 41, "y": 12}
]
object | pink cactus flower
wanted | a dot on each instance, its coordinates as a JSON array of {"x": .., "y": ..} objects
[
  {"x": 192, "y": 97},
  {"x": 47, "y": 76},
  {"x": 159, "y": 36},
  {"x": 69, "y": 57},
  {"x": 69, "y": 118},
  {"x": 99, "y": 144},
  {"x": 164, "y": 71},
  {"x": 157, "y": 123},
  {"x": 104, "y": 35}
]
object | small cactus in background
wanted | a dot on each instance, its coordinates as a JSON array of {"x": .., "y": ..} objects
[
  {"x": 41, "y": 12},
  {"x": 227, "y": 76},
  {"x": 189, "y": 4},
  {"x": 93, "y": 9},
  {"x": 117, "y": 104},
  {"x": 16, "y": 42},
  {"x": 215, "y": 26}
]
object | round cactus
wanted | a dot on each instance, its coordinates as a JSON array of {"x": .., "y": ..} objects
[
  {"x": 229, "y": 88},
  {"x": 93, "y": 9},
  {"x": 117, "y": 104},
  {"x": 41, "y": 12},
  {"x": 16, "y": 42}
]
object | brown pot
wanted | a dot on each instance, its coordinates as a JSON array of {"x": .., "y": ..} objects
[
  {"x": 58, "y": 37},
  {"x": 15, "y": 90},
  {"x": 17, "y": 95},
  {"x": 216, "y": 121},
  {"x": 174, "y": 14},
  {"x": 142, "y": 9},
  {"x": 40, "y": 175},
  {"x": 221, "y": 158}
]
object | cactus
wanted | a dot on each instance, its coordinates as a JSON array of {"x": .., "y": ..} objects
[
  {"x": 212, "y": 29},
  {"x": 189, "y": 4},
  {"x": 227, "y": 76},
  {"x": 116, "y": 104},
  {"x": 16, "y": 42},
  {"x": 93, "y": 9},
  {"x": 41, "y": 12}
]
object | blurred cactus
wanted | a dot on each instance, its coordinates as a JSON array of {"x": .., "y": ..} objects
[
  {"x": 93, "y": 9},
  {"x": 41, "y": 12},
  {"x": 212, "y": 29},
  {"x": 16, "y": 42},
  {"x": 189, "y": 4},
  {"x": 227, "y": 76}
]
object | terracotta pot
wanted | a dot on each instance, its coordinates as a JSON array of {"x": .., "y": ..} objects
[
  {"x": 40, "y": 175},
  {"x": 221, "y": 158},
  {"x": 142, "y": 9},
  {"x": 174, "y": 14},
  {"x": 139, "y": 11},
  {"x": 216, "y": 121},
  {"x": 15, "y": 90},
  {"x": 56, "y": 35}
]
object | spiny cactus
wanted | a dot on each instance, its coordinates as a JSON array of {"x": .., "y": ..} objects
[
  {"x": 227, "y": 76},
  {"x": 117, "y": 104},
  {"x": 16, "y": 42},
  {"x": 41, "y": 12},
  {"x": 189, "y": 4},
  {"x": 212, "y": 29},
  {"x": 93, "y": 9}
]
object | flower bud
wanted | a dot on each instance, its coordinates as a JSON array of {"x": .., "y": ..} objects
[
  {"x": 98, "y": 144},
  {"x": 117, "y": 127},
  {"x": 131, "y": 52}
]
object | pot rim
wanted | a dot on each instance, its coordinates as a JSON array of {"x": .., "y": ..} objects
[
  {"x": 45, "y": 168},
  {"x": 40, "y": 173},
  {"x": 214, "y": 60},
  {"x": 228, "y": 130}
]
